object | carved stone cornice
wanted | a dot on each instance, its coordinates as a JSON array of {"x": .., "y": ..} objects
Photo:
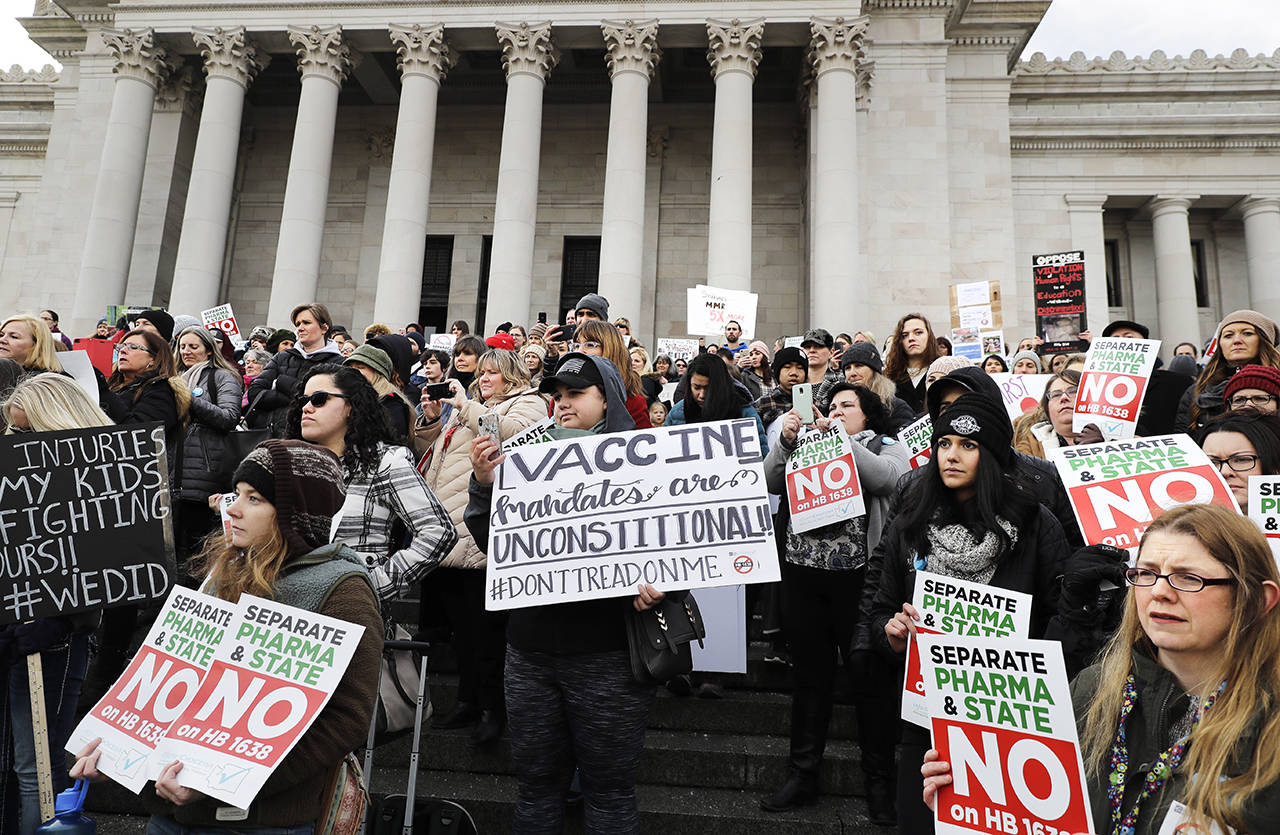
[
  {"x": 657, "y": 140},
  {"x": 1198, "y": 61},
  {"x": 423, "y": 50},
  {"x": 321, "y": 52},
  {"x": 177, "y": 93},
  {"x": 137, "y": 55},
  {"x": 1094, "y": 145},
  {"x": 382, "y": 144},
  {"x": 836, "y": 43},
  {"x": 227, "y": 54},
  {"x": 18, "y": 75},
  {"x": 866, "y": 74},
  {"x": 527, "y": 48},
  {"x": 631, "y": 46},
  {"x": 734, "y": 45}
]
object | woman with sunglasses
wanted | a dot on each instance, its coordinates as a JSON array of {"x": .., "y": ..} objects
[
  {"x": 1182, "y": 705},
  {"x": 391, "y": 518},
  {"x": 45, "y": 402},
  {"x": 279, "y": 548},
  {"x": 1241, "y": 444}
]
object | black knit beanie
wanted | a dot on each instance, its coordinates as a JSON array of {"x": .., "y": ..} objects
[
  {"x": 304, "y": 483},
  {"x": 975, "y": 416}
]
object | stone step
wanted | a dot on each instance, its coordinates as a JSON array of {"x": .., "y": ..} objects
[
  {"x": 672, "y": 810},
  {"x": 674, "y": 758},
  {"x": 740, "y": 711}
]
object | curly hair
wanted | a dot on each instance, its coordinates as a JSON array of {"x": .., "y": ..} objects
[{"x": 367, "y": 423}]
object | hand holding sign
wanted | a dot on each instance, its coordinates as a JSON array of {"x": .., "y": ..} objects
[{"x": 1113, "y": 384}]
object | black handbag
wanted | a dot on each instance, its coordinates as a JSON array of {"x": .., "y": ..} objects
[
  {"x": 659, "y": 638},
  {"x": 241, "y": 441}
]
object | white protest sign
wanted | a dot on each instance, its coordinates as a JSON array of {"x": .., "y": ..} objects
[
  {"x": 1264, "y": 508},
  {"x": 709, "y": 309},
  {"x": 724, "y": 614},
  {"x": 538, "y": 433},
  {"x": 972, "y": 293},
  {"x": 1117, "y": 488},
  {"x": 1113, "y": 383},
  {"x": 822, "y": 480},
  {"x": 793, "y": 342},
  {"x": 156, "y": 687},
  {"x": 443, "y": 341},
  {"x": 80, "y": 367},
  {"x": 1021, "y": 392},
  {"x": 1000, "y": 713},
  {"x": 668, "y": 393},
  {"x": 967, "y": 342},
  {"x": 678, "y": 349},
  {"x": 949, "y": 606},
  {"x": 681, "y": 507},
  {"x": 221, "y": 318},
  {"x": 271, "y": 676},
  {"x": 979, "y": 316},
  {"x": 224, "y": 504},
  {"x": 917, "y": 436}
]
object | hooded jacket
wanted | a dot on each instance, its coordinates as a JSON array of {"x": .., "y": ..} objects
[
  {"x": 272, "y": 391},
  {"x": 447, "y": 442},
  {"x": 214, "y": 413},
  {"x": 582, "y": 627}
]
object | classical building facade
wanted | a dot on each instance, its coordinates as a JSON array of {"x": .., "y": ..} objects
[{"x": 846, "y": 161}]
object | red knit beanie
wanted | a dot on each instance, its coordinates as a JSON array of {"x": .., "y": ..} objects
[{"x": 1261, "y": 377}]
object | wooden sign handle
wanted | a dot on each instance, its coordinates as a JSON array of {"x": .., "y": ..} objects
[{"x": 40, "y": 735}]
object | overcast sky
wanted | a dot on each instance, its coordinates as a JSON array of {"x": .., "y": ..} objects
[{"x": 1095, "y": 27}]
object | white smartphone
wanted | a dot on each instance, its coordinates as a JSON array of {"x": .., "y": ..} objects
[
  {"x": 489, "y": 426},
  {"x": 802, "y": 401}
]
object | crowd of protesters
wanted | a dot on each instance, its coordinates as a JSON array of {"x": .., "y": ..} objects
[{"x": 384, "y": 436}]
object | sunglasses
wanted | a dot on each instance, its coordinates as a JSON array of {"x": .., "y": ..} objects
[{"x": 319, "y": 398}]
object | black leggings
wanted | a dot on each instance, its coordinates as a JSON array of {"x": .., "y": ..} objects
[{"x": 576, "y": 710}]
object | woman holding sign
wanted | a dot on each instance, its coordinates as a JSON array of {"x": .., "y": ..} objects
[
  {"x": 822, "y": 574},
  {"x": 286, "y": 492},
  {"x": 43, "y": 403},
  {"x": 1178, "y": 722},
  {"x": 967, "y": 517}
]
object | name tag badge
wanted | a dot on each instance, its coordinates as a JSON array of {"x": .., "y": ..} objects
[
  {"x": 231, "y": 813},
  {"x": 1175, "y": 823}
]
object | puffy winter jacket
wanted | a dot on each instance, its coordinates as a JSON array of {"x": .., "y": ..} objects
[
  {"x": 280, "y": 381},
  {"x": 449, "y": 465},
  {"x": 214, "y": 413}
]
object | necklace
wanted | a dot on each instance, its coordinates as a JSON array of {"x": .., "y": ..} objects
[{"x": 1160, "y": 771}]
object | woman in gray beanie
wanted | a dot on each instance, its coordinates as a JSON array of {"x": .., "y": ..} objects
[{"x": 1244, "y": 337}]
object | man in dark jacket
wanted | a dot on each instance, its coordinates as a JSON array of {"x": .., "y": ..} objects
[{"x": 272, "y": 391}]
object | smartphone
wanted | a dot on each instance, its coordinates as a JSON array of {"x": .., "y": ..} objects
[
  {"x": 565, "y": 334},
  {"x": 542, "y": 318},
  {"x": 802, "y": 401},
  {"x": 489, "y": 426},
  {"x": 439, "y": 391}
]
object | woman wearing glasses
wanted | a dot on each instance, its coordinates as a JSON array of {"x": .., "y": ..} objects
[
  {"x": 1242, "y": 444},
  {"x": 600, "y": 339},
  {"x": 1057, "y": 405},
  {"x": 1182, "y": 705},
  {"x": 1253, "y": 387}
]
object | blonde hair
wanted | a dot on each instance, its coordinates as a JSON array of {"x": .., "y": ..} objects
[
  {"x": 43, "y": 356},
  {"x": 384, "y": 387},
  {"x": 211, "y": 347},
  {"x": 645, "y": 367},
  {"x": 52, "y": 403},
  {"x": 238, "y": 571},
  {"x": 507, "y": 363},
  {"x": 1247, "y": 663},
  {"x": 613, "y": 349}
]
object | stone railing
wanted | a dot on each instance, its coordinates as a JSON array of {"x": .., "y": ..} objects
[
  {"x": 1198, "y": 61},
  {"x": 17, "y": 75}
]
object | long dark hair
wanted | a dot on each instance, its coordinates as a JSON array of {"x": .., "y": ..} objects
[
  {"x": 997, "y": 495},
  {"x": 723, "y": 400},
  {"x": 367, "y": 424},
  {"x": 897, "y": 362},
  {"x": 1262, "y": 430}
]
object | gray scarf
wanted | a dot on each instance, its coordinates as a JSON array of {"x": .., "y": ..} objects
[
  {"x": 955, "y": 552},
  {"x": 192, "y": 375}
]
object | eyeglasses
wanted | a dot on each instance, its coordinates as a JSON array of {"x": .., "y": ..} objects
[
  {"x": 129, "y": 346},
  {"x": 319, "y": 398},
  {"x": 1240, "y": 463},
  {"x": 1179, "y": 580},
  {"x": 1061, "y": 394},
  {"x": 585, "y": 346},
  {"x": 1251, "y": 400}
]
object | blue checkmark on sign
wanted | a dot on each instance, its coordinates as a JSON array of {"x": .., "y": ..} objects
[
  {"x": 224, "y": 775},
  {"x": 131, "y": 760}
]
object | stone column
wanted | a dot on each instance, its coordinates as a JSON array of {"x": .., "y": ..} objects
[
  {"x": 632, "y": 54},
  {"x": 1084, "y": 213},
  {"x": 528, "y": 57},
  {"x": 1262, "y": 251},
  {"x": 424, "y": 58},
  {"x": 838, "y": 285},
  {"x": 230, "y": 63},
  {"x": 1175, "y": 276},
  {"x": 113, "y": 218},
  {"x": 734, "y": 55},
  {"x": 324, "y": 61}
]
